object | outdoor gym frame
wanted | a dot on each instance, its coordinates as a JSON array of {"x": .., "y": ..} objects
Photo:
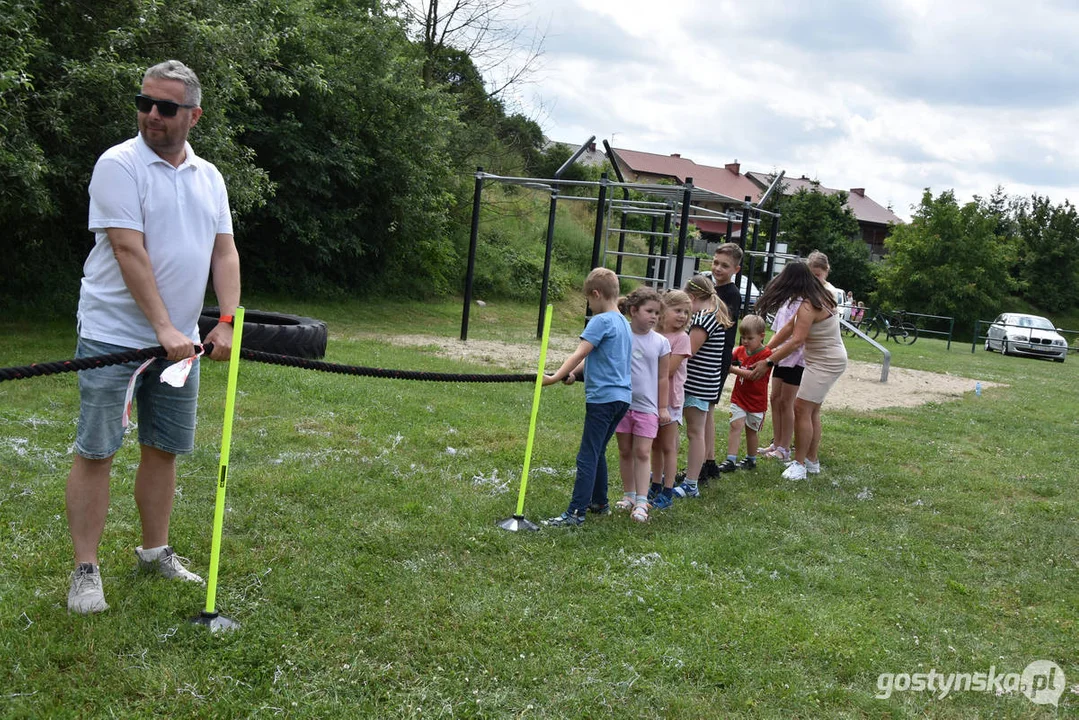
[{"x": 664, "y": 269}]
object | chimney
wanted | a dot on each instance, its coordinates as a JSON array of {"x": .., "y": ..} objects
[
  {"x": 860, "y": 192},
  {"x": 676, "y": 155},
  {"x": 734, "y": 167},
  {"x": 591, "y": 147}
]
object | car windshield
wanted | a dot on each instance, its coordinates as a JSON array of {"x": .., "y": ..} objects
[{"x": 1030, "y": 321}]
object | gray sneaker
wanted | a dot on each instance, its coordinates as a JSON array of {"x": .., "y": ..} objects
[
  {"x": 168, "y": 565},
  {"x": 86, "y": 595}
]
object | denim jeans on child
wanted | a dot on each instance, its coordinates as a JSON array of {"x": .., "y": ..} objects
[{"x": 600, "y": 420}]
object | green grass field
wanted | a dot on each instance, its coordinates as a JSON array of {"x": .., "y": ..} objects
[{"x": 362, "y": 559}]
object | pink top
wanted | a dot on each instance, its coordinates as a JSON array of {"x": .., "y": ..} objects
[
  {"x": 679, "y": 346},
  {"x": 783, "y": 316}
]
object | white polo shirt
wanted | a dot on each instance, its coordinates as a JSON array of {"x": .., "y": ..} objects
[{"x": 179, "y": 211}]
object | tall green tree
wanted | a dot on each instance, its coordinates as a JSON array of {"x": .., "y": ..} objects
[
  {"x": 358, "y": 151},
  {"x": 1048, "y": 265},
  {"x": 811, "y": 220},
  {"x": 949, "y": 260},
  {"x": 333, "y": 150}
]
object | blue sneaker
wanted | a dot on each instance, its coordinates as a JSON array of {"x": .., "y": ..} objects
[
  {"x": 662, "y": 502},
  {"x": 686, "y": 490},
  {"x": 566, "y": 519}
]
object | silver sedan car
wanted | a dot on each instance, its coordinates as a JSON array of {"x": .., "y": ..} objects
[{"x": 1019, "y": 334}]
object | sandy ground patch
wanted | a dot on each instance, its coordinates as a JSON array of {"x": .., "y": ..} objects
[{"x": 859, "y": 388}]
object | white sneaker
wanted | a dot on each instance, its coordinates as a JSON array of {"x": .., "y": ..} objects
[
  {"x": 167, "y": 564},
  {"x": 813, "y": 467},
  {"x": 86, "y": 595},
  {"x": 795, "y": 471}
]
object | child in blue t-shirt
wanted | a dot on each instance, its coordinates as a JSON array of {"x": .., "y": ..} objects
[{"x": 604, "y": 355}]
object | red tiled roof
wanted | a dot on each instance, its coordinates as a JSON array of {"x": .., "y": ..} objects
[
  {"x": 865, "y": 209},
  {"x": 717, "y": 179}
]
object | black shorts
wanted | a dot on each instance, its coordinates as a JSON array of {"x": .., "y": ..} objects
[{"x": 790, "y": 375}]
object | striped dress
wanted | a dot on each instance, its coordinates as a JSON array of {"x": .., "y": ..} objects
[{"x": 703, "y": 370}]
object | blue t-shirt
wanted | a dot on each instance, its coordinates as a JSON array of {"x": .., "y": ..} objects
[{"x": 606, "y": 369}]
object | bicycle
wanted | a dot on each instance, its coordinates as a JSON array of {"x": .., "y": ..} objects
[{"x": 895, "y": 327}]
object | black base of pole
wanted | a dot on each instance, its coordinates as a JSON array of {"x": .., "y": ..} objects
[
  {"x": 517, "y": 522},
  {"x": 215, "y": 621}
]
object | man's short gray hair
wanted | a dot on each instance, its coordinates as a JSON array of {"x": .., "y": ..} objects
[{"x": 176, "y": 70}]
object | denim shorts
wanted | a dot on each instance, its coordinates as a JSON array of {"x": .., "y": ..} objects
[
  {"x": 166, "y": 415},
  {"x": 692, "y": 401}
]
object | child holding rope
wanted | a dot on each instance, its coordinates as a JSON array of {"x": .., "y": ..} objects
[
  {"x": 604, "y": 352},
  {"x": 706, "y": 340},
  {"x": 673, "y": 325},
  {"x": 749, "y": 398},
  {"x": 649, "y": 378}
]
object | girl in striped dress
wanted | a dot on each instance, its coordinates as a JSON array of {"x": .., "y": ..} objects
[{"x": 703, "y": 371}]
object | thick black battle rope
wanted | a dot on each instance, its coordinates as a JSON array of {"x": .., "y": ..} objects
[
  {"x": 379, "y": 372},
  {"x": 87, "y": 363},
  {"x": 62, "y": 366}
]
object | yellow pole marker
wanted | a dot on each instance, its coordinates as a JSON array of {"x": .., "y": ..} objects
[
  {"x": 209, "y": 616},
  {"x": 518, "y": 522}
]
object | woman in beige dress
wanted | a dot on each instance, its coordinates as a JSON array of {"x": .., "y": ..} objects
[{"x": 816, "y": 327}]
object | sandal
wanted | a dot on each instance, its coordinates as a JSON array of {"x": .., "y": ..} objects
[
  {"x": 640, "y": 513},
  {"x": 624, "y": 504}
]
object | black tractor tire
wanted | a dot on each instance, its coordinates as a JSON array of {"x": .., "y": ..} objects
[{"x": 275, "y": 333}]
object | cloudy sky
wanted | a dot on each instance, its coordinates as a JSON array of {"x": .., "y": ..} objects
[{"x": 894, "y": 96}]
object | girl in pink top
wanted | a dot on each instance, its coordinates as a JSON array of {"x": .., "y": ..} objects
[
  {"x": 786, "y": 377},
  {"x": 673, "y": 325}
]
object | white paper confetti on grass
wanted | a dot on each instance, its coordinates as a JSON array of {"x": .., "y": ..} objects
[
  {"x": 647, "y": 560},
  {"x": 865, "y": 494},
  {"x": 451, "y": 450},
  {"x": 492, "y": 483}
]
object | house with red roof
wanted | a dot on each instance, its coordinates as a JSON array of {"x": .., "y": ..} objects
[
  {"x": 727, "y": 181},
  {"x": 874, "y": 219}
]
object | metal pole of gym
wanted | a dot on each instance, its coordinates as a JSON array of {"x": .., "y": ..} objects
[
  {"x": 622, "y": 224},
  {"x": 687, "y": 199},
  {"x": 773, "y": 232},
  {"x": 472, "y": 239},
  {"x": 665, "y": 250},
  {"x": 747, "y": 205}
]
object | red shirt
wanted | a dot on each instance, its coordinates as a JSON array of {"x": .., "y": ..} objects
[{"x": 751, "y": 395}]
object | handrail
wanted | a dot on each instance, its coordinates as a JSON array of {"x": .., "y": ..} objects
[{"x": 886, "y": 363}]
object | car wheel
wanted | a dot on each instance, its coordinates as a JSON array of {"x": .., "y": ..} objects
[
  {"x": 1004, "y": 347},
  {"x": 988, "y": 347}
]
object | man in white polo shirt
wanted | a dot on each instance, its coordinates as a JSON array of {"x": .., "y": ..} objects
[{"x": 162, "y": 226}]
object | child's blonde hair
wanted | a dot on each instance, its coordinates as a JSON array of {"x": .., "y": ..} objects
[
  {"x": 675, "y": 299},
  {"x": 819, "y": 261},
  {"x": 701, "y": 288},
  {"x": 604, "y": 281},
  {"x": 753, "y": 324},
  {"x": 638, "y": 297}
]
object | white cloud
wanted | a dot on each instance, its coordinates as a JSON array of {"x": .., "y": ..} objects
[{"x": 890, "y": 96}]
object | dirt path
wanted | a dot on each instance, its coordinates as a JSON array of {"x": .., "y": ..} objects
[{"x": 859, "y": 388}]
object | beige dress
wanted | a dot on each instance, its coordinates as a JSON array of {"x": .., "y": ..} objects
[{"x": 825, "y": 359}]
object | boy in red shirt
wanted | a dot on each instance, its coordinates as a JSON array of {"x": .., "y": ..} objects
[{"x": 749, "y": 399}]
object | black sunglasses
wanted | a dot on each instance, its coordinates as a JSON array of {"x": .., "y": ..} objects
[{"x": 166, "y": 108}]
